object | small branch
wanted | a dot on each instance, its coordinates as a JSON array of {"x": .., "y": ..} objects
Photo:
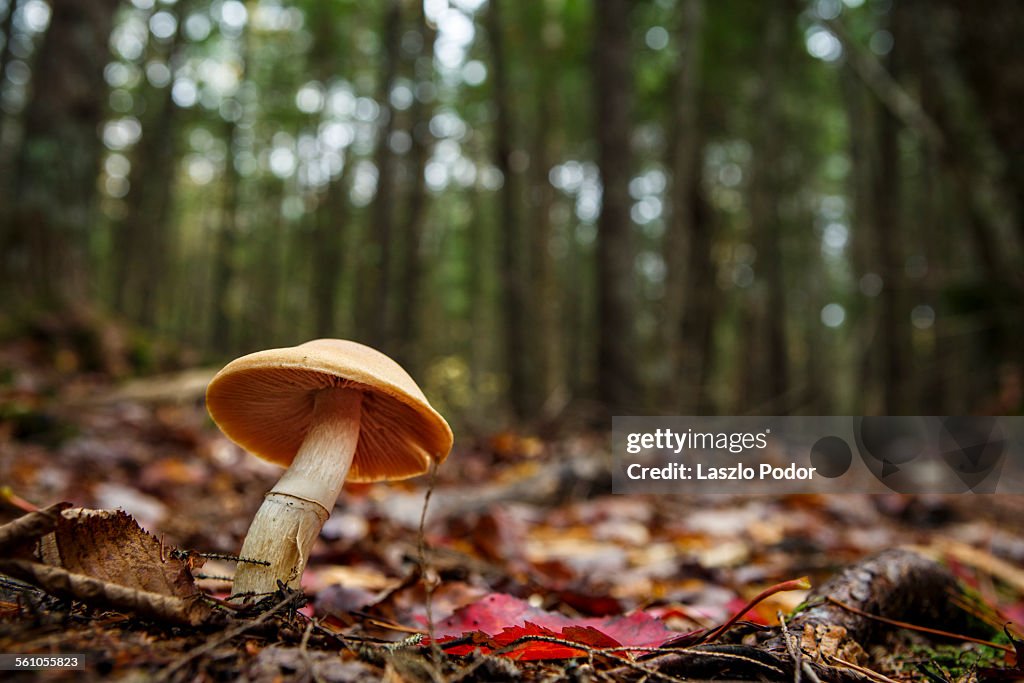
[
  {"x": 97, "y": 592},
  {"x": 32, "y": 525},
  {"x": 428, "y": 588},
  {"x": 800, "y": 667},
  {"x": 796, "y": 584},
  {"x": 873, "y": 675},
  {"x": 211, "y": 645},
  {"x": 886, "y": 88},
  {"x": 921, "y": 629}
]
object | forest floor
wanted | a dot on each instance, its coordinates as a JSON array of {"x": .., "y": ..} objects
[{"x": 525, "y": 566}]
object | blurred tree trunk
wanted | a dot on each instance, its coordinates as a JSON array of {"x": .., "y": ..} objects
[
  {"x": 894, "y": 326},
  {"x": 225, "y": 240},
  {"x": 141, "y": 239},
  {"x": 690, "y": 286},
  {"x": 513, "y": 285},
  {"x": 972, "y": 191},
  {"x": 616, "y": 361},
  {"x": 5, "y": 58},
  {"x": 767, "y": 379},
  {"x": 54, "y": 187},
  {"x": 410, "y": 273},
  {"x": 861, "y": 115},
  {"x": 547, "y": 346},
  {"x": 270, "y": 287},
  {"x": 333, "y": 210},
  {"x": 329, "y": 230},
  {"x": 989, "y": 50},
  {"x": 374, "y": 301},
  {"x": 225, "y": 247}
]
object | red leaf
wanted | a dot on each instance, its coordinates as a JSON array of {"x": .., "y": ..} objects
[{"x": 505, "y": 619}]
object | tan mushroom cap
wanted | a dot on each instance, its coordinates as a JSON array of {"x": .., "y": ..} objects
[{"x": 264, "y": 403}]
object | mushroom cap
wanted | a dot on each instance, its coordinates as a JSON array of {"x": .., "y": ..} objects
[{"x": 264, "y": 403}]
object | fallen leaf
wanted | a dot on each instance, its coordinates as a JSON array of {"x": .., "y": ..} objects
[
  {"x": 110, "y": 546},
  {"x": 500, "y": 620}
]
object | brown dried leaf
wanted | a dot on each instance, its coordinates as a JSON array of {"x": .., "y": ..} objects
[
  {"x": 110, "y": 546},
  {"x": 63, "y": 583}
]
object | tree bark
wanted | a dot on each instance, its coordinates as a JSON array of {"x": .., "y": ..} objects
[
  {"x": 374, "y": 304},
  {"x": 690, "y": 286},
  {"x": 616, "y": 361},
  {"x": 767, "y": 351},
  {"x": 54, "y": 188},
  {"x": 988, "y": 49},
  {"x": 333, "y": 211},
  {"x": 408, "y": 302},
  {"x": 513, "y": 285},
  {"x": 142, "y": 240},
  {"x": 546, "y": 349},
  {"x": 894, "y": 323},
  {"x": 5, "y": 58}
]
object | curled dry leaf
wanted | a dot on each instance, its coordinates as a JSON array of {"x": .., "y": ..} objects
[
  {"x": 104, "y": 558},
  {"x": 109, "y": 545}
]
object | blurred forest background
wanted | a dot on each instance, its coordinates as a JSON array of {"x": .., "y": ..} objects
[{"x": 544, "y": 208}]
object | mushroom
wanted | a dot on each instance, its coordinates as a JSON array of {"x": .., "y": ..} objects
[{"x": 328, "y": 410}]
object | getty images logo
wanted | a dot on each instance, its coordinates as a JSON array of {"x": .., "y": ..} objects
[{"x": 920, "y": 454}]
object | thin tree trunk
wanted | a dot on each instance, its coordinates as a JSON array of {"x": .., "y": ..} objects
[
  {"x": 5, "y": 58},
  {"x": 333, "y": 212},
  {"x": 142, "y": 241},
  {"x": 225, "y": 246},
  {"x": 690, "y": 289},
  {"x": 767, "y": 345},
  {"x": 328, "y": 253},
  {"x": 889, "y": 235},
  {"x": 55, "y": 181},
  {"x": 512, "y": 279},
  {"x": 989, "y": 52},
  {"x": 374, "y": 303},
  {"x": 407, "y": 318},
  {"x": 616, "y": 361},
  {"x": 547, "y": 343}
]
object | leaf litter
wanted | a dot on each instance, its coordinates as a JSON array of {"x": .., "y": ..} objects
[{"x": 533, "y": 571}]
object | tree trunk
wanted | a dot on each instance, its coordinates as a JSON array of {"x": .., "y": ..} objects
[
  {"x": 411, "y": 272},
  {"x": 225, "y": 246},
  {"x": 616, "y": 361},
  {"x": 54, "y": 187},
  {"x": 989, "y": 51},
  {"x": 894, "y": 325},
  {"x": 141, "y": 240},
  {"x": 333, "y": 212},
  {"x": 376, "y": 270},
  {"x": 690, "y": 287},
  {"x": 5, "y": 58},
  {"x": 512, "y": 277},
  {"x": 547, "y": 344},
  {"x": 768, "y": 385}
]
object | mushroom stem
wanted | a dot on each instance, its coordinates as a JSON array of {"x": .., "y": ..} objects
[{"x": 293, "y": 512}]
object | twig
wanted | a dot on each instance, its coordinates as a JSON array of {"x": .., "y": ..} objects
[
  {"x": 922, "y": 629},
  {"x": 794, "y": 651},
  {"x": 8, "y": 494},
  {"x": 886, "y": 88},
  {"x": 873, "y": 675},
  {"x": 63, "y": 583},
  {"x": 210, "y": 645},
  {"x": 796, "y": 584},
  {"x": 304, "y": 651},
  {"x": 32, "y": 525},
  {"x": 428, "y": 587},
  {"x": 800, "y": 666}
]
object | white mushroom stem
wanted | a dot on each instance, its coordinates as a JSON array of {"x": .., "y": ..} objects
[{"x": 293, "y": 512}]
